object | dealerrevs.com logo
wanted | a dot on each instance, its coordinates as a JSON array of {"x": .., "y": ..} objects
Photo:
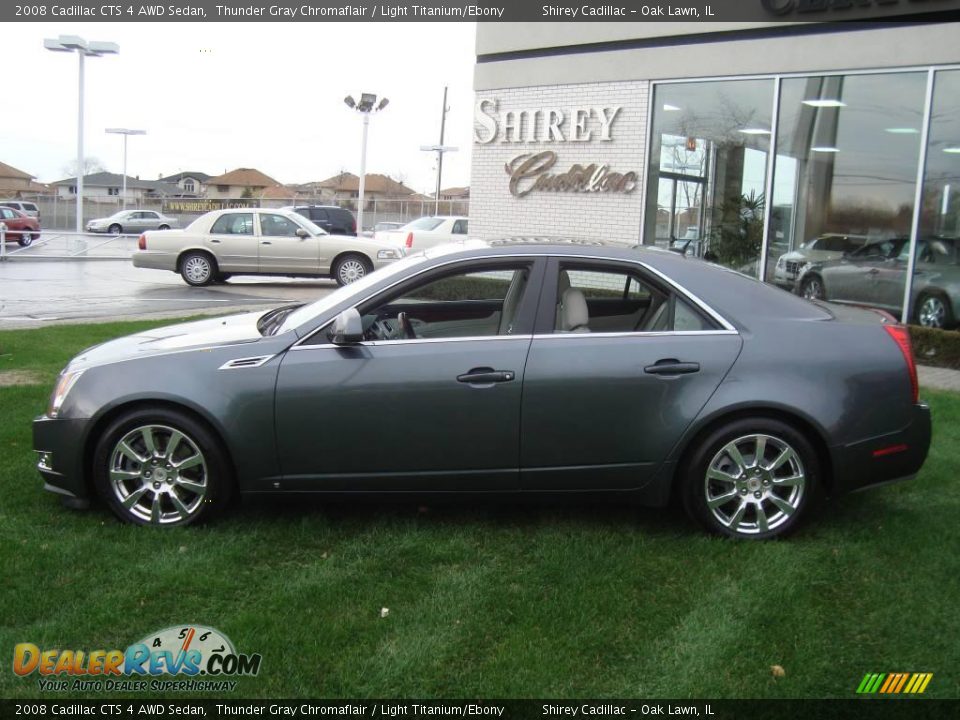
[{"x": 203, "y": 654}]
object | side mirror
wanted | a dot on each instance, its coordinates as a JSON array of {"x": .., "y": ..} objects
[
  {"x": 347, "y": 328},
  {"x": 302, "y": 234}
]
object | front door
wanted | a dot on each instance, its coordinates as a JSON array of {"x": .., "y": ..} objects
[
  {"x": 282, "y": 250},
  {"x": 429, "y": 401}
]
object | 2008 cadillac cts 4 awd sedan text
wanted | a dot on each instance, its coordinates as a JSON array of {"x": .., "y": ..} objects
[{"x": 511, "y": 367}]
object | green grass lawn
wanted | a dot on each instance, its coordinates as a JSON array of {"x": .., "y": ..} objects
[{"x": 492, "y": 600}]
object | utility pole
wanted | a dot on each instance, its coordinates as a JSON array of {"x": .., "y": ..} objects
[{"x": 440, "y": 149}]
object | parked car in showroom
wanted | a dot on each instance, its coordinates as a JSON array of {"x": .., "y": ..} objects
[
  {"x": 131, "y": 222},
  {"x": 511, "y": 368},
  {"x": 875, "y": 275},
  {"x": 20, "y": 226},
  {"x": 335, "y": 220},
  {"x": 819, "y": 249},
  {"x": 426, "y": 232},
  {"x": 260, "y": 241}
]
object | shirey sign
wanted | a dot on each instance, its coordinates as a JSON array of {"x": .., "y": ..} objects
[{"x": 535, "y": 172}]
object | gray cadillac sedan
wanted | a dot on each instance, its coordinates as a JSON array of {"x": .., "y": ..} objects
[{"x": 503, "y": 367}]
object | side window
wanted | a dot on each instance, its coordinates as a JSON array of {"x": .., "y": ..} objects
[
  {"x": 318, "y": 215},
  {"x": 460, "y": 227},
  {"x": 6, "y": 214},
  {"x": 608, "y": 300},
  {"x": 30, "y": 207},
  {"x": 148, "y": 215},
  {"x": 478, "y": 303},
  {"x": 277, "y": 225},
  {"x": 233, "y": 224}
]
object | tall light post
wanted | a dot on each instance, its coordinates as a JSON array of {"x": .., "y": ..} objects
[
  {"x": 367, "y": 105},
  {"x": 440, "y": 149},
  {"x": 126, "y": 132},
  {"x": 84, "y": 49}
]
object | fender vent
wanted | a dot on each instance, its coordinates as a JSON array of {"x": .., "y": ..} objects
[{"x": 247, "y": 362}]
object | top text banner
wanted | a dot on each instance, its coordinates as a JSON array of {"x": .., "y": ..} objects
[{"x": 484, "y": 10}]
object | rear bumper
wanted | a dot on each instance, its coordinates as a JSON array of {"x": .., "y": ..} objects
[
  {"x": 59, "y": 447},
  {"x": 155, "y": 260},
  {"x": 883, "y": 459}
]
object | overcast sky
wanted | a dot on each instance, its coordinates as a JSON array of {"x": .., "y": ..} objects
[{"x": 217, "y": 96}]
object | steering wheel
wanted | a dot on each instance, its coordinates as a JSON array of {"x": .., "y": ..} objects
[{"x": 406, "y": 325}]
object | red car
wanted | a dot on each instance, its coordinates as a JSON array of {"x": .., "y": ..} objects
[{"x": 20, "y": 227}]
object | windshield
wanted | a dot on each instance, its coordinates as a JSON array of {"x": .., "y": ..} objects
[
  {"x": 306, "y": 223},
  {"x": 424, "y": 223},
  {"x": 308, "y": 312}
]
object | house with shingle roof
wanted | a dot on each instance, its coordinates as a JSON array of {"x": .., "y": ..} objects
[
  {"x": 242, "y": 182},
  {"x": 190, "y": 182},
  {"x": 345, "y": 188},
  {"x": 109, "y": 186},
  {"x": 16, "y": 183}
]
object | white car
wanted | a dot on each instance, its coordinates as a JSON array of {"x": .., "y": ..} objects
[
  {"x": 426, "y": 232},
  {"x": 825, "y": 247},
  {"x": 260, "y": 241}
]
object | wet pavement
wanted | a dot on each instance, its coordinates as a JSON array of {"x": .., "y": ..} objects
[{"x": 39, "y": 292}]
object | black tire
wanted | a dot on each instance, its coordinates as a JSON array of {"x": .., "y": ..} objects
[
  {"x": 351, "y": 267},
  {"x": 812, "y": 288},
  {"x": 740, "y": 503},
  {"x": 933, "y": 310},
  {"x": 223, "y": 277},
  {"x": 115, "y": 229},
  {"x": 203, "y": 490},
  {"x": 25, "y": 239},
  {"x": 163, "y": 227},
  {"x": 198, "y": 268}
]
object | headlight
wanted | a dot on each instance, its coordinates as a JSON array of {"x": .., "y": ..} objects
[
  {"x": 389, "y": 254},
  {"x": 64, "y": 383}
]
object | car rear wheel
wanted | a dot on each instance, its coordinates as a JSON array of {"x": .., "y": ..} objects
[
  {"x": 25, "y": 239},
  {"x": 754, "y": 478},
  {"x": 812, "y": 289},
  {"x": 198, "y": 269},
  {"x": 351, "y": 268},
  {"x": 115, "y": 229},
  {"x": 933, "y": 310},
  {"x": 161, "y": 467}
]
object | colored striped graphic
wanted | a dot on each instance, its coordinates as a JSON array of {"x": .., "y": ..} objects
[{"x": 894, "y": 683}]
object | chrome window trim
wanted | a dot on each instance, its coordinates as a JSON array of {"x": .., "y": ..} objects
[
  {"x": 635, "y": 333},
  {"x": 727, "y": 327}
]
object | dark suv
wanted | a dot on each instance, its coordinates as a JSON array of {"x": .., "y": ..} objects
[{"x": 333, "y": 219}]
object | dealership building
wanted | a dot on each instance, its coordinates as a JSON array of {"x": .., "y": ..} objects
[{"x": 741, "y": 140}]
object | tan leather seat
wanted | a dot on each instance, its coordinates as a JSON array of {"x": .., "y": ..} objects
[{"x": 574, "y": 314}]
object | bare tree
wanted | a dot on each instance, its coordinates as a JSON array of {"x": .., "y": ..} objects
[{"x": 90, "y": 165}]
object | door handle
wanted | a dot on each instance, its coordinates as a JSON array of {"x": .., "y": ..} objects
[
  {"x": 485, "y": 376},
  {"x": 215, "y": 241},
  {"x": 266, "y": 242},
  {"x": 873, "y": 271},
  {"x": 671, "y": 366}
]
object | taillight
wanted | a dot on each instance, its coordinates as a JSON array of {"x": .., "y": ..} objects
[
  {"x": 354, "y": 225},
  {"x": 142, "y": 242},
  {"x": 409, "y": 242},
  {"x": 901, "y": 335}
]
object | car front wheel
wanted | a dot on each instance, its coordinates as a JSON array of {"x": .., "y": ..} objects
[
  {"x": 198, "y": 269},
  {"x": 751, "y": 478},
  {"x": 115, "y": 229},
  {"x": 350, "y": 268},
  {"x": 161, "y": 467},
  {"x": 812, "y": 289},
  {"x": 934, "y": 311},
  {"x": 25, "y": 239}
]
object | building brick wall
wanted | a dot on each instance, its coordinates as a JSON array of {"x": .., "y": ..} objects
[{"x": 495, "y": 212}]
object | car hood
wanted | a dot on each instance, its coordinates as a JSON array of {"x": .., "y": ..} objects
[{"x": 197, "y": 335}]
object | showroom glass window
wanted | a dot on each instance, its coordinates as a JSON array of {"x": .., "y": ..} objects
[
  {"x": 847, "y": 152},
  {"x": 709, "y": 148}
]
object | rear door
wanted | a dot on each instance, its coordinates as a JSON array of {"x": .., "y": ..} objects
[
  {"x": 605, "y": 401},
  {"x": 320, "y": 217},
  {"x": 233, "y": 241}
]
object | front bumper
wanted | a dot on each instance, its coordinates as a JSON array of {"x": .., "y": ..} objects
[
  {"x": 59, "y": 443},
  {"x": 884, "y": 459}
]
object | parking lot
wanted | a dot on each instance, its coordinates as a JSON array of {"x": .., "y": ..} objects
[{"x": 63, "y": 281}]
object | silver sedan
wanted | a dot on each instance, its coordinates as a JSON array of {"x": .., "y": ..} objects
[
  {"x": 132, "y": 222},
  {"x": 260, "y": 241}
]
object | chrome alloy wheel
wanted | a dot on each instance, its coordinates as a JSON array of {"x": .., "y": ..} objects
[
  {"x": 351, "y": 270},
  {"x": 813, "y": 289},
  {"x": 932, "y": 313},
  {"x": 754, "y": 484},
  {"x": 158, "y": 474},
  {"x": 197, "y": 268}
]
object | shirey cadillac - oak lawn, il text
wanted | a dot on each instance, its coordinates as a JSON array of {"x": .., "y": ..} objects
[{"x": 513, "y": 367}]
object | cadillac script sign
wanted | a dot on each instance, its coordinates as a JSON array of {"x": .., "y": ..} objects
[{"x": 537, "y": 171}]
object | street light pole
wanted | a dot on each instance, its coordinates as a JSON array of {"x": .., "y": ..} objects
[
  {"x": 84, "y": 49},
  {"x": 126, "y": 132},
  {"x": 440, "y": 149},
  {"x": 366, "y": 106}
]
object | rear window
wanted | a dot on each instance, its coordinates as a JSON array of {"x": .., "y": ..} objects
[
  {"x": 425, "y": 223},
  {"x": 30, "y": 206}
]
